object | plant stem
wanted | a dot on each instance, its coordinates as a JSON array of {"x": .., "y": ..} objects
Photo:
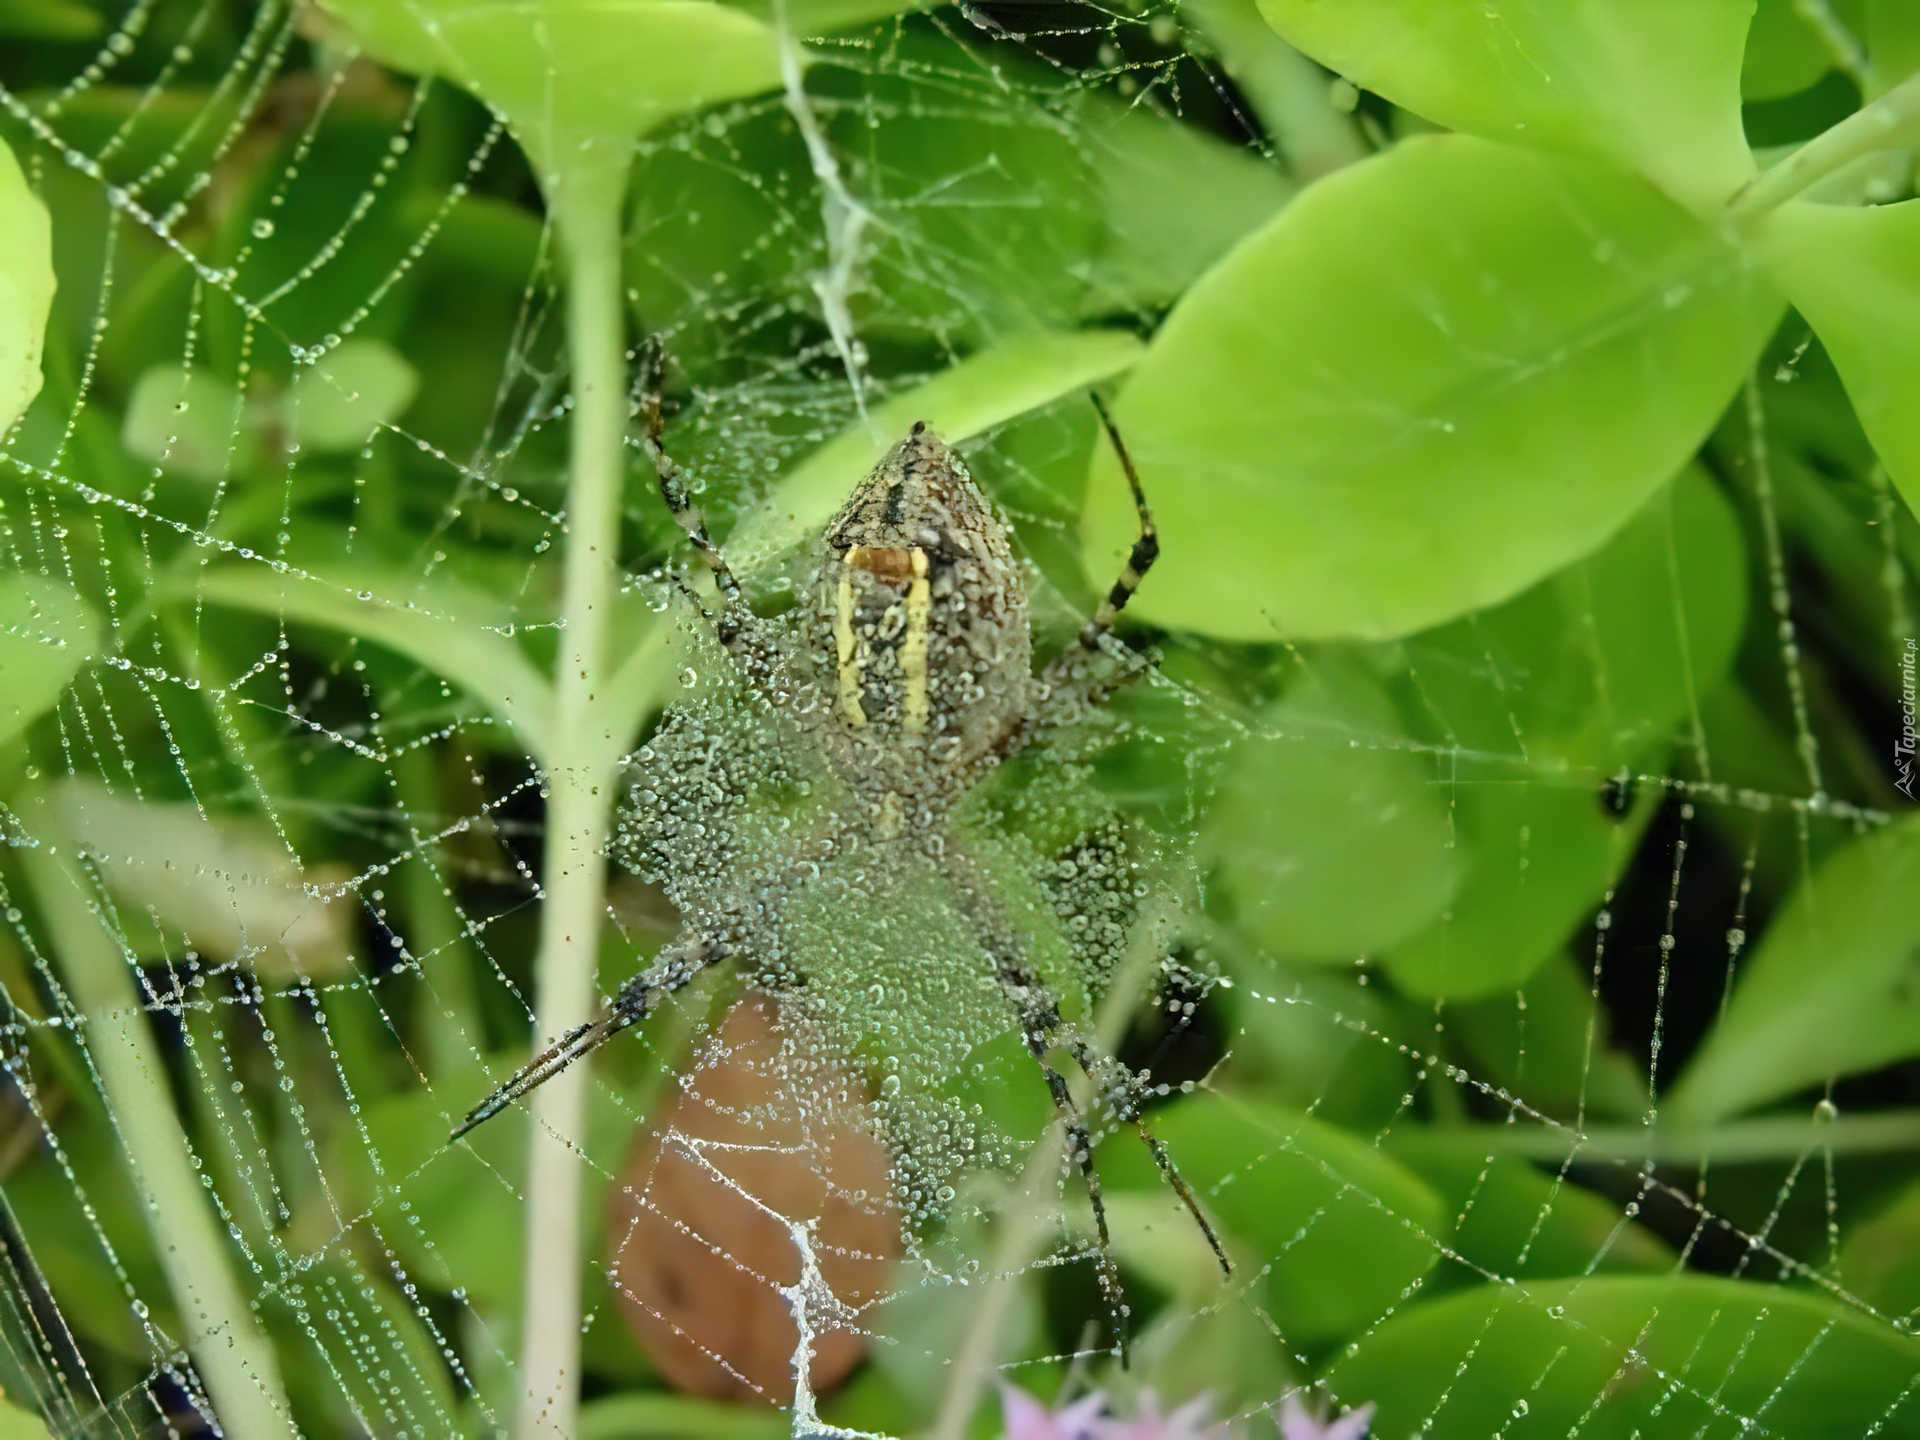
[
  {"x": 586, "y": 204},
  {"x": 234, "y": 1360},
  {"x": 1881, "y": 125},
  {"x": 1766, "y": 1139}
]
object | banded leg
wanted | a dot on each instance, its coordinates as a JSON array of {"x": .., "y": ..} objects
[
  {"x": 735, "y": 621},
  {"x": 1039, "y": 1016},
  {"x": 1124, "y": 1099},
  {"x": 677, "y": 964},
  {"x": 1146, "y": 549}
]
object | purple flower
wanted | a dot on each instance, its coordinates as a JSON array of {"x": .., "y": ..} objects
[
  {"x": 1296, "y": 1422},
  {"x": 1028, "y": 1419},
  {"x": 1085, "y": 1419}
]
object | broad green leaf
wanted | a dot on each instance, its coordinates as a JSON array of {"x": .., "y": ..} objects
[
  {"x": 1784, "y": 53},
  {"x": 1615, "y": 1356},
  {"x": 1549, "y": 1040},
  {"x": 1541, "y": 854},
  {"x": 48, "y": 20},
  {"x": 982, "y": 391},
  {"x": 579, "y": 80},
  {"x": 228, "y": 885},
  {"x": 1540, "y": 701},
  {"x": 661, "y": 1415},
  {"x": 1343, "y": 1228},
  {"x": 1329, "y": 795},
  {"x": 26, "y": 288},
  {"x": 1648, "y": 84},
  {"x": 338, "y": 403},
  {"x": 1828, "y": 992},
  {"x": 1174, "y": 200},
  {"x": 1855, "y": 275},
  {"x": 18, "y": 1424},
  {"x": 188, "y": 422},
  {"x": 1893, "y": 41},
  {"x": 1880, "y": 1261},
  {"x": 47, "y": 632},
  {"x": 1403, "y": 399},
  {"x": 1514, "y": 1221},
  {"x": 1596, "y": 664}
]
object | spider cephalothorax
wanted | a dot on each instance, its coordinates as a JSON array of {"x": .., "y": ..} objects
[{"x": 884, "y": 697}]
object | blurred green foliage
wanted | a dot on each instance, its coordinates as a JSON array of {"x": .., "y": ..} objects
[{"x": 1537, "y": 581}]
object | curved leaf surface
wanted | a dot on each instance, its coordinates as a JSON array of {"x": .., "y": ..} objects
[
  {"x": 1330, "y": 795},
  {"x": 1341, "y": 1228},
  {"x": 1855, "y": 275},
  {"x": 577, "y": 79},
  {"x": 1612, "y": 1357},
  {"x": 26, "y": 288},
  {"x": 1648, "y": 84},
  {"x": 1830, "y": 991},
  {"x": 47, "y": 632},
  {"x": 1403, "y": 399}
]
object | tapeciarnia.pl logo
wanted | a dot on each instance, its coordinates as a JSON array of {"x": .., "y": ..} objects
[{"x": 1903, "y": 747}]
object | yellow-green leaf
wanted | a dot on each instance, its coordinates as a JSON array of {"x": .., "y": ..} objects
[
  {"x": 1436, "y": 377},
  {"x": 26, "y": 288},
  {"x": 1652, "y": 85}
]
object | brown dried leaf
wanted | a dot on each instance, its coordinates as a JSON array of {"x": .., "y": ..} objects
[{"x": 698, "y": 1263}]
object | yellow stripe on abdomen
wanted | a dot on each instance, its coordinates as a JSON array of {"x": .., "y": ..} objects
[{"x": 913, "y": 647}]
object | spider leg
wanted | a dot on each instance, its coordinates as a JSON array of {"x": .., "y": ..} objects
[
  {"x": 677, "y": 964},
  {"x": 1038, "y": 1013},
  {"x": 1146, "y": 549},
  {"x": 736, "y": 625},
  {"x": 1125, "y": 1102}
]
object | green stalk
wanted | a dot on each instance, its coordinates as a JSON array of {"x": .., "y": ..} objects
[
  {"x": 1889, "y": 123},
  {"x": 579, "y": 786},
  {"x": 231, "y": 1354}
]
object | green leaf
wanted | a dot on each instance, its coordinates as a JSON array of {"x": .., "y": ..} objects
[
  {"x": 26, "y": 288},
  {"x": 1855, "y": 275},
  {"x": 578, "y": 80},
  {"x": 1402, "y": 399},
  {"x": 1648, "y": 84},
  {"x": 228, "y": 885},
  {"x": 980, "y": 392},
  {"x": 1880, "y": 1261},
  {"x": 659, "y": 1416},
  {"x": 188, "y": 422},
  {"x": 1830, "y": 991},
  {"x": 1174, "y": 199},
  {"x": 1595, "y": 665},
  {"x": 1539, "y": 701},
  {"x": 1342, "y": 1228},
  {"x": 1784, "y": 53},
  {"x": 1329, "y": 795},
  {"x": 1542, "y": 853},
  {"x": 1610, "y": 1357},
  {"x": 18, "y": 1424},
  {"x": 1893, "y": 41},
  {"x": 48, "y": 20},
  {"x": 1513, "y": 1221},
  {"x": 47, "y": 632},
  {"x": 1549, "y": 1041},
  {"x": 338, "y": 403}
]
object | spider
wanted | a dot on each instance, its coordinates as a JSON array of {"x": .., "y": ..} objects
[{"x": 895, "y": 687}]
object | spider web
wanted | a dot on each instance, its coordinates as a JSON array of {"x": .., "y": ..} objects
[{"x": 294, "y": 487}]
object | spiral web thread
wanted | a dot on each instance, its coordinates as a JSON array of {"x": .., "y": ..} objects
[{"x": 315, "y": 1095}]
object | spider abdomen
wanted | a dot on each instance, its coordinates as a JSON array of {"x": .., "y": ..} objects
[{"x": 921, "y": 643}]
